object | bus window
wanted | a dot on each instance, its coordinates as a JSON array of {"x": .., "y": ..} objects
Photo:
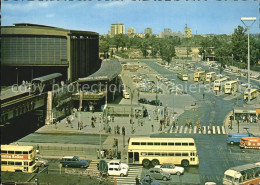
[
  {"x": 25, "y": 152},
  {"x": 10, "y": 163},
  {"x": 4, "y": 152},
  {"x": 143, "y": 153},
  {"x": 150, "y": 143},
  {"x": 143, "y": 143},
  {"x": 3, "y": 162},
  {"x": 25, "y": 163},
  {"x": 10, "y": 152},
  {"x": 164, "y": 154},
  {"x": 177, "y": 154},
  {"x": 135, "y": 143},
  {"x": 163, "y": 143},
  {"x": 156, "y": 143},
  {"x": 191, "y": 144},
  {"x": 170, "y": 154},
  {"x": 18, "y": 163},
  {"x": 184, "y": 144},
  {"x": 150, "y": 153},
  {"x": 31, "y": 163},
  {"x": 157, "y": 153},
  {"x": 18, "y": 152},
  {"x": 185, "y": 154},
  {"x": 177, "y": 144},
  {"x": 170, "y": 144}
]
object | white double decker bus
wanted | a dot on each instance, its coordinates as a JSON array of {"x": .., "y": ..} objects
[
  {"x": 231, "y": 87},
  {"x": 182, "y": 76},
  {"x": 153, "y": 151},
  {"x": 220, "y": 84},
  {"x": 210, "y": 77}
]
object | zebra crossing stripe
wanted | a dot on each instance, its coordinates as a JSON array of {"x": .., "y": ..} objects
[
  {"x": 209, "y": 131},
  {"x": 218, "y": 129},
  {"x": 214, "y": 131},
  {"x": 223, "y": 130},
  {"x": 195, "y": 130},
  {"x": 176, "y": 130},
  {"x": 190, "y": 129},
  {"x": 185, "y": 130},
  {"x": 181, "y": 129},
  {"x": 171, "y": 129},
  {"x": 204, "y": 129}
]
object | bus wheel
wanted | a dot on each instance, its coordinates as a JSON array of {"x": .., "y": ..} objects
[
  {"x": 185, "y": 163},
  {"x": 231, "y": 142},
  {"x": 155, "y": 162},
  {"x": 146, "y": 162}
]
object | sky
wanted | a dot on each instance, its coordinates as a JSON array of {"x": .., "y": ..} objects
[{"x": 203, "y": 17}]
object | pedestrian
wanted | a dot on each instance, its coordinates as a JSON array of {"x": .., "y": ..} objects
[
  {"x": 152, "y": 129},
  {"x": 78, "y": 125},
  {"x": 137, "y": 180},
  {"x": 187, "y": 123},
  {"x": 190, "y": 124},
  {"x": 203, "y": 96}
]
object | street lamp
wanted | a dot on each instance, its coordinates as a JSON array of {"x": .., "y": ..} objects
[
  {"x": 17, "y": 77},
  {"x": 243, "y": 19},
  {"x": 131, "y": 116}
]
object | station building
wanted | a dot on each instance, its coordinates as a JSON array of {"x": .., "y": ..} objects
[{"x": 30, "y": 50}]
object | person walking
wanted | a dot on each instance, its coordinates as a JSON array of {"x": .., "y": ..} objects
[
  {"x": 152, "y": 129},
  {"x": 203, "y": 95},
  {"x": 137, "y": 180}
]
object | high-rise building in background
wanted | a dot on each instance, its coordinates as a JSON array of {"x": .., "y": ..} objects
[
  {"x": 187, "y": 32},
  {"x": 130, "y": 31},
  {"x": 167, "y": 31},
  {"x": 148, "y": 31},
  {"x": 117, "y": 28}
]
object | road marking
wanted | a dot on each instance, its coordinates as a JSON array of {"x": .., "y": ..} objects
[
  {"x": 214, "y": 131},
  {"x": 204, "y": 129},
  {"x": 209, "y": 131},
  {"x": 218, "y": 129},
  {"x": 195, "y": 130},
  {"x": 190, "y": 130},
  {"x": 171, "y": 129},
  {"x": 181, "y": 129},
  {"x": 185, "y": 130},
  {"x": 223, "y": 130},
  {"x": 176, "y": 130}
]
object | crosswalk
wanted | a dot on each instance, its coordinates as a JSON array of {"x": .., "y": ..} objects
[
  {"x": 205, "y": 130},
  {"x": 130, "y": 179}
]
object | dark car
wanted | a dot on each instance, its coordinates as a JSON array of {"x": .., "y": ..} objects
[
  {"x": 148, "y": 181},
  {"x": 74, "y": 161},
  {"x": 143, "y": 100},
  {"x": 155, "y": 102}
]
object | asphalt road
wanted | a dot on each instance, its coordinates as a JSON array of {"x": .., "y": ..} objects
[{"x": 214, "y": 154}]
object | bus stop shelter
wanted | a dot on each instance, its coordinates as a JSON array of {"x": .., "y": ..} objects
[{"x": 244, "y": 111}]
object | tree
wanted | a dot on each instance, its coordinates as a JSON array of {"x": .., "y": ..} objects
[
  {"x": 188, "y": 50},
  {"x": 167, "y": 50},
  {"x": 144, "y": 47},
  {"x": 239, "y": 44},
  {"x": 104, "y": 47}
]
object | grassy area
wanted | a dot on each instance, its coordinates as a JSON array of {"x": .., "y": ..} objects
[{"x": 51, "y": 179}]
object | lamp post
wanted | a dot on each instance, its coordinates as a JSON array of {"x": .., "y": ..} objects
[
  {"x": 243, "y": 19},
  {"x": 131, "y": 116},
  {"x": 17, "y": 77}
]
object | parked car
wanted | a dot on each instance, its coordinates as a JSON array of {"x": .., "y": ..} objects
[
  {"x": 41, "y": 162},
  {"x": 117, "y": 171},
  {"x": 157, "y": 173},
  {"x": 143, "y": 100},
  {"x": 117, "y": 163},
  {"x": 170, "y": 168},
  {"x": 148, "y": 181},
  {"x": 154, "y": 102},
  {"x": 74, "y": 161}
]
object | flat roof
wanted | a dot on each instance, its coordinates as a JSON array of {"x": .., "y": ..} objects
[
  {"x": 47, "y": 77},
  {"x": 16, "y": 147},
  {"x": 108, "y": 71}
]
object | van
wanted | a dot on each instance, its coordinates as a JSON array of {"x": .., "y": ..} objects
[
  {"x": 117, "y": 171},
  {"x": 126, "y": 95},
  {"x": 236, "y": 137},
  {"x": 250, "y": 142}
]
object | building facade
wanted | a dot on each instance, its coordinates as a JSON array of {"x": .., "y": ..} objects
[
  {"x": 29, "y": 51},
  {"x": 187, "y": 32},
  {"x": 117, "y": 28},
  {"x": 130, "y": 31},
  {"x": 148, "y": 31}
]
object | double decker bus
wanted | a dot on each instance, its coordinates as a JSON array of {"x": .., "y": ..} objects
[
  {"x": 182, "y": 76},
  {"x": 242, "y": 175},
  {"x": 219, "y": 84},
  {"x": 155, "y": 151},
  {"x": 231, "y": 87},
  {"x": 199, "y": 76},
  {"x": 250, "y": 142},
  {"x": 18, "y": 159},
  {"x": 210, "y": 77},
  {"x": 253, "y": 93}
]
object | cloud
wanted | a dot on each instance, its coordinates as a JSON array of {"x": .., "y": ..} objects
[
  {"x": 26, "y": 6},
  {"x": 50, "y": 15},
  {"x": 112, "y": 4}
]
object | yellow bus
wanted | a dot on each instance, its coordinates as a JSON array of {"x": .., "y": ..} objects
[
  {"x": 253, "y": 93},
  {"x": 155, "y": 151},
  {"x": 199, "y": 76},
  {"x": 219, "y": 84},
  {"x": 18, "y": 158},
  {"x": 210, "y": 77},
  {"x": 231, "y": 87},
  {"x": 182, "y": 76}
]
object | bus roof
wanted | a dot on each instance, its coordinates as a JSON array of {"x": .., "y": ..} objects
[
  {"x": 251, "y": 90},
  {"x": 160, "y": 139},
  {"x": 233, "y": 81},
  {"x": 239, "y": 134},
  {"x": 211, "y": 73},
  {"x": 232, "y": 173},
  {"x": 251, "y": 138},
  {"x": 200, "y": 72},
  {"x": 16, "y": 148},
  {"x": 244, "y": 167},
  {"x": 47, "y": 77}
]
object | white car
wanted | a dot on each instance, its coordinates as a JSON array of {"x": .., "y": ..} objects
[
  {"x": 117, "y": 164},
  {"x": 41, "y": 162},
  {"x": 170, "y": 168},
  {"x": 117, "y": 171}
]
